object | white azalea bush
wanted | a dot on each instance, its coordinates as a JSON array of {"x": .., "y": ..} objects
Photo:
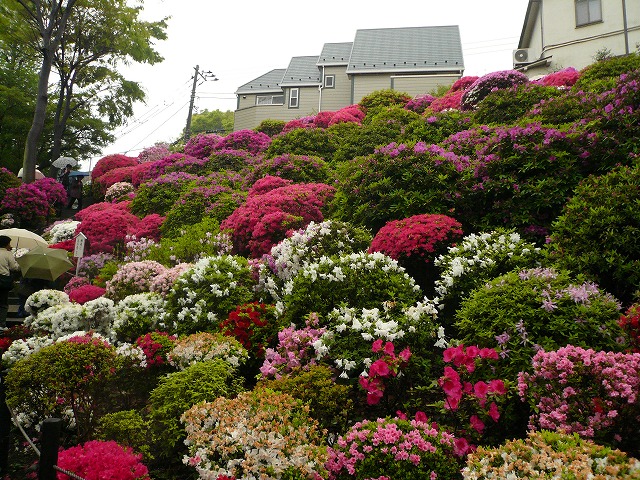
[
  {"x": 477, "y": 259},
  {"x": 43, "y": 299},
  {"x": 307, "y": 245},
  {"x": 136, "y": 315},
  {"x": 199, "y": 347},
  {"x": 359, "y": 280},
  {"x": 203, "y": 296},
  {"x": 61, "y": 231},
  {"x": 22, "y": 348}
]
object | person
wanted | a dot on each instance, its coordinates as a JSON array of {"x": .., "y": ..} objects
[
  {"x": 8, "y": 265},
  {"x": 75, "y": 192},
  {"x": 65, "y": 178},
  {"x": 26, "y": 288}
]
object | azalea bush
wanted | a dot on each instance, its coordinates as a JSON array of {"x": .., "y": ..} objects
[
  {"x": 416, "y": 241},
  {"x": 475, "y": 260},
  {"x": 136, "y": 315},
  {"x": 395, "y": 448},
  {"x": 159, "y": 195},
  {"x": 95, "y": 460},
  {"x": 163, "y": 283},
  {"x": 226, "y": 437},
  {"x": 178, "y": 392},
  {"x": 254, "y": 325},
  {"x": 43, "y": 299},
  {"x": 630, "y": 323},
  {"x": 111, "y": 162},
  {"x": 107, "y": 228},
  {"x": 249, "y": 140},
  {"x": 155, "y": 152},
  {"x": 203, "y": 296},
  {"x": 201, "y": 145},
  {"x": 264, "y": 219},
  {"x": 86, "y": 293},
  {"x": 132, "y": 278},
  {"x": 90, "y": 265},
  {"x": 63, "y": 380},
  {"x": 591, "y": 393},
  {"x": 541, "y": 308},
  {"x": 548, "y": 454},
  {"x": 28, "y": 204},
  {"x": 53, "y": 190},
  {"x": 60, "y": 231},
  {"x": 201, "y": 347},
  {"x": 118, "y": 191},
  {"x": 419, "y": 103},
  {"x": 156, "y": 347},
  {"x": 298, "y": 168},
  {"x": 484, "y": 85}
]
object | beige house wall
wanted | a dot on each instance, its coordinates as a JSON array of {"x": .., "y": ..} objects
[
  {"x": 333, "y": 99},
  {"x": 363, "y": 85},
  {"x": 555, "y": 34},
  {"x": 250, "y": 117},
  {"x": 421, "y": 84}
]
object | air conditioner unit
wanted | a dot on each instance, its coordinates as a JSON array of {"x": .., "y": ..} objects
[{"x": 522, "y": 55}]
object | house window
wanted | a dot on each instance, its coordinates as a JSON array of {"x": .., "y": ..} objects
[
  {"x": 270, "y": 100},
  {"x": 294, "y": 97},
  {"x": 588, "y": 11},
  {"x": 329, "y": 81}
]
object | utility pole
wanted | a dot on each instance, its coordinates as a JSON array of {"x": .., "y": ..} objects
[{"x": 204, "y": 76}]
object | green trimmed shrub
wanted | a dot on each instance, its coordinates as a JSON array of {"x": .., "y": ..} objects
[
  {"x": 603, "y": 75},
  {"x": 127, "y": 428},
  {"x": 159, "y": 195},
  {"x": 597, "y": 233},
  {"x": 177, "y": 393},
  {"x": 302, "y": 141},
  {"x": 271, "y": 127},
  {"x": 297, "y": 168},
  {"x": 435, "y": 127},
  {"x": 383, "y": 99}
]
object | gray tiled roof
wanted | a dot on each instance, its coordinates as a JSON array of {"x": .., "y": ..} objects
[
  {"x": 409, "y": 49},
  {"x": 335, "y": 53},
  {"x": 269, "y": 82},
  {"x": 302, "y": 71}
]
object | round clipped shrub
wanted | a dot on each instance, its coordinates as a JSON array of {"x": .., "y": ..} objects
[
  {"x": 571, "y": 390},
  {"x": 270, "y": 127},
  {"x": 329, "y": 402},
  {"x": 159, "y": 195},
  {"x": 302, "y": 141},
  {"x": 127, "y": 428},
  {"x": 178, "y": 392},
  {"x": 548, "y": 454},
  {"x": 132, "y": 278},
  {"x": 383, "y": 99},
  {"x": 297, "y": 168},
  {"x": 54, "y": 190},
  {"x": 107, "y": 228},
  {"x": 64, "y": 380},
  {"x": 28, "y": 205},
  {"x": 202, "y": 347},
  {"x": 598, "y": 230},
  {"x": 564, "y": 78},
  {"x": 524, "y": 311},
  {"x": 155, "y": 152},
  {"x": 86, "y": 293},
  {"x": 121, "y": 174},
  {"x": 416, "y": 241},
  {"x": 254, "y": 326},
  {"x": 96, "y": 460},
  {"x": 136, "y": 315},
  {"x": 394, "y": 448},
  {"x": 359, "y": 280},
  {"x": 227, "y": 436},
  {"x": 203, "y": 296},
  {"x": 111, "y": 162},
  {"x": 249, "y": 140},
  {"x": 484, "y": 85},
  {"x": 477, "y": 259}
]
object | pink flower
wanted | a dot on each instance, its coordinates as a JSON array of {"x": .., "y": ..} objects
[
  {"x": 480, "y": 389},
  {"x": 497, "y": 386},
  {"x": 493, "y": 412},
  {"x": 405, "y": 354},
  {"x": 388, "y": 348},
  {"x": 476, "y": 423},
  {"x": 421, "y": 417},
  {"x": 489, "y": 353},
  {"x": 461, "y": 446},
  {"x": 379, "y": 368},
  {"x": 377, "y": 346},
  {"x": 450, "y": 383}
]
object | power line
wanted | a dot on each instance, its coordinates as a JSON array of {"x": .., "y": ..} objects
[{"x": 159, "y": 126}]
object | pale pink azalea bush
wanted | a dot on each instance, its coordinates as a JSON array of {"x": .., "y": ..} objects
[
  {"x": 154, "y": 152},
  {"x": 163, "y": 282},
  {"x": 117, "y": 191},
  {"x": 489, "y": 83},
  {"x": 133, "y": 277},
  {"x": 100, "y": 460},
  {"x": 595, "y": 394}
]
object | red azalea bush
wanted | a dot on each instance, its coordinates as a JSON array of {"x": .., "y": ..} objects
[
  {"x": 106, "y": 228},
  {"x": 146, "y": 171},
  {"x": 563, "y": 78},
  {"x": 592, "y": 393},
  {"x": 68, "y": 245},
  {"x": 249, "y": 140},
  {"x": 449, "y": 101},
  {"x": 322, "y": 119},
  {"x": 111, "y": 162},
  {"x": 304, "y": 122},
  {"x": 100, "y": 460},
  {"x": 53, "y": 189},
  {"x": 149, "y": 227},
  {"x": 117, "y": 175},
  {"x": 630, "y": 323},
  {"x": 463, "y": 83},
  {"x": 201, "y": 145},
  {"x": 156, "y": 347},
  {"x": 103, "y": 207},
  {"x": 253, "y": 325},
  {"x": 264, "y": 219},
  {"x": 86, "y": 293},
  {"x": 266, "y": 184}
]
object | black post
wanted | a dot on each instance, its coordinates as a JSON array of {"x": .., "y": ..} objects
[
  {"x": 5, "y": 427},
  {"x": 49, "y": 444}
]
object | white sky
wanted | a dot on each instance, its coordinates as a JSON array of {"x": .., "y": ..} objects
[{"x": 239, "y": 41}]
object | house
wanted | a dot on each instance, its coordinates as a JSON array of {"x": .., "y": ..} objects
[
  {"x": 413, "y": 60},
  {"x": 570, "y": 33}
]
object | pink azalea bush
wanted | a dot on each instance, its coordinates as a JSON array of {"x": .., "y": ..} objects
[
  {"x": 163, "y": 282},
  {"x": 449, "y": 101},
  {"x": 419, "y": 103},
  {"x": 85, "y": 293},
  {"x": 27, "y": 203},
  {"x": 154, "y": 152},
  {"x": 54, "y": 190},
  {"x": 304, "y": 122},
  {"x": 111, "y": 162},
  {"x": 264, "y": 219},
  {"x": 149, "y": 227},
  {"x": 388, "y": 365},
  {"x": 489, "y": 83},
  {"x": 100, "y": 460},
  {"x": 394, "y": 448},
  {"x": 566, "y": 77},
  {"x": 107, "y": 228},
  {"x": 266, "y": 184},
  {"x": 595, "y": 394},
  {"x": 117, "y": 175},
  {"x": 74, "y": 283},
  {"x": 118, "y": 191},
  {"x": 201, "y": 145}
]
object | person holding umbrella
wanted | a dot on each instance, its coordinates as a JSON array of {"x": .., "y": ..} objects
[
  {"x": 8, "y": 264},
  {"x": 75, "y": 192}
]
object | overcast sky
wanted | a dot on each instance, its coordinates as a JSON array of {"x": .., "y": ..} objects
[{"x": 239, "y": 41}]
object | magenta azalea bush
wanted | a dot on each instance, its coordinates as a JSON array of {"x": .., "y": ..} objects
[
  {"x": 595, "y": 394},
  {"x": 264, "y": 219},
  {"x": 53, "y": 189},
  {"x": 85, "y": 293},
  {"x": 106, "y": 228},
  {"x": 249, "y": 140},
  {"x": 28, "y": 204},
  {"x": 99, "y": 460},
  {"x": 201, "y": 145},
  {"x": 566, "y": 77},
  {"x": 419, "y": 103},
  {"x": 111, "y": 162},
  {"x": 486, "y": 84}
]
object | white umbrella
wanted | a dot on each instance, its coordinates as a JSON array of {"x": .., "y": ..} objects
[
  {"x": 39, "y": 174},
  {"x": 62, "y": 162},
  {"x": 21, "y": 238}
]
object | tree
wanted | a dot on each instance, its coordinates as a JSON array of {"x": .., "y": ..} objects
[{"x": 215, "y": 121}]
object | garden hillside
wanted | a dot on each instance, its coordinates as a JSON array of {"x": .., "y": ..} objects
[{"x": 445, "y": 286}]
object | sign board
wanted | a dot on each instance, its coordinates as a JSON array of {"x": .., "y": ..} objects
[{"x": 78, "y": 250}]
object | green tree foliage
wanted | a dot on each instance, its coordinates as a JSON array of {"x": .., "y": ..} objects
[{"x": 215, "y": 121}]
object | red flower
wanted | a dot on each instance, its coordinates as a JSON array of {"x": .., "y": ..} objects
[
  {"x": 493, "y": 411},
  {"x": 476, "y": 423},
  {"x": 480, "y": 389},
  {"x": 497, "y": 386}
]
